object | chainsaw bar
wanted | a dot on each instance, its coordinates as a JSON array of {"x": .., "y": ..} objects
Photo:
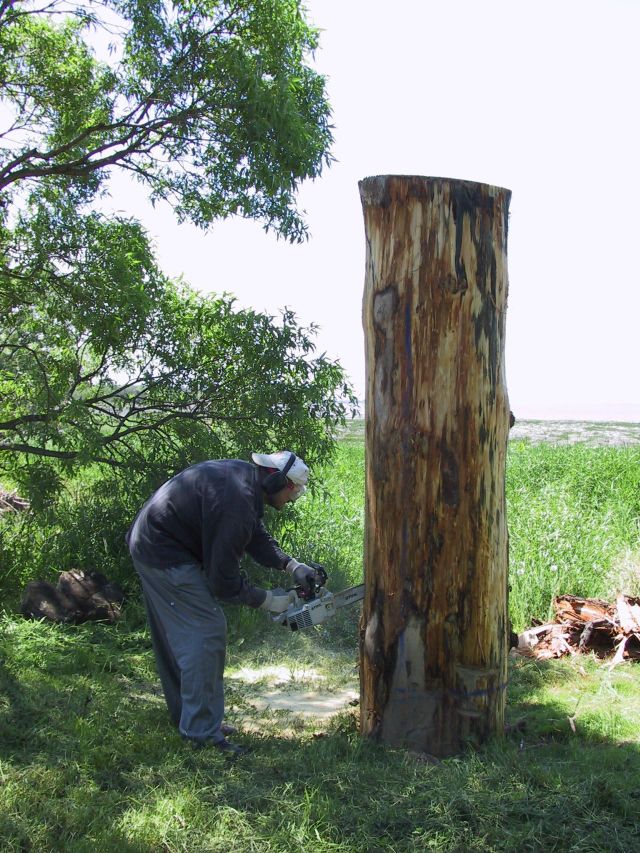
[{"x": 348, "y": 596}]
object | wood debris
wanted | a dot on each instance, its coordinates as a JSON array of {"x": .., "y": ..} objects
[
  {"x": 12, "y": 502},
  {"x": 587, "y": 625},
  {"x": 78, "y": 597}
]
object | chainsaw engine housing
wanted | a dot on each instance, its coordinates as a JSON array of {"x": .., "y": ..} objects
[{"x": 311, "y": 612}]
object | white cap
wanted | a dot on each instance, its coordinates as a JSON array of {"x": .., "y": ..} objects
[{"x": 298, "y": 473}]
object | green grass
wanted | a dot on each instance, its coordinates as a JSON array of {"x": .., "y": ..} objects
[
  {"x": 574, "y": 524},
  {"x": 89, "y": 762}
]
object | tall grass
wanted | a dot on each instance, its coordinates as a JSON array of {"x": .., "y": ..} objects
[
  {"x": 573, "y": 515},
  {"x": 328, "y": 525}
]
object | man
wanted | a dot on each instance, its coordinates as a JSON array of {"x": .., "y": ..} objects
[{"x": 186, "y": 543}]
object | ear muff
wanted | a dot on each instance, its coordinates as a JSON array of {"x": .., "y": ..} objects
[{"x": 278, "y": 480}]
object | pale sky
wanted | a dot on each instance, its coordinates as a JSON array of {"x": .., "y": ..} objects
[{"x": 539, "y": 97}]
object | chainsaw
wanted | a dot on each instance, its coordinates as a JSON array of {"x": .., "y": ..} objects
[{"x": 315, "y": 606}]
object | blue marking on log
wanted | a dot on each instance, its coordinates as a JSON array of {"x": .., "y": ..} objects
[{"x": 412, "y": 690}]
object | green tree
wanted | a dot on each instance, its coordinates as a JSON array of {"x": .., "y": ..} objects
[
  {"x": 200, "y": 379},
  {"x": 212, "y": 106}
]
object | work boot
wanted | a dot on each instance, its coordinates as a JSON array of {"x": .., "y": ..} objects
[
  {"x": 225, "y": 746},
  {"x": 227, "y": 730},
  {"x": 233, "y": 750}
]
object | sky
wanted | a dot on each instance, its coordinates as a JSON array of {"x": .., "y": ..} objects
[{"x": 539, "y": 97}]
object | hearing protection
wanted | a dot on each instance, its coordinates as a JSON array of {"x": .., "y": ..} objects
[{"x": 278, "y": 480}]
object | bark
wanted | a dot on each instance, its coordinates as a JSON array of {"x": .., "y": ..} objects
[
  {"x": 586, "y": 625},
  {"x": 434, "y": 632}
]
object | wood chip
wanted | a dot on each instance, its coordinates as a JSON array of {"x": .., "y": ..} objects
[
  {"x": 619, "y": 655},
  {"x": 628, "y": 614}
]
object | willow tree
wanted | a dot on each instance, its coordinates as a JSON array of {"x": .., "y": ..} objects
[
  {"x": 434, "y": 631},
  {"x": 215, "y": 109}
]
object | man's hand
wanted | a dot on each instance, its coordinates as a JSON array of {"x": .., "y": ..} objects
[
  {"x": 278, "y": 600},
  {"x": 302, "y": 574}
]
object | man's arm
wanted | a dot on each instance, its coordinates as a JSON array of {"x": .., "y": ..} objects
[
  {"x": 222, "y": 564},
  {"x": 265, "y": 550}
]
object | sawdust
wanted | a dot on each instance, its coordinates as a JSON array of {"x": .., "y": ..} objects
[
  {"x": 276, "y": 675},
  {"x": 272, "y": 700},
  {"x": 311, "y": 704},
  {"x": 276, "y": 699}
]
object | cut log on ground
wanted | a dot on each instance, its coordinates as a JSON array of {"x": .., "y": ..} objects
[{"x": 78, "y": 597}]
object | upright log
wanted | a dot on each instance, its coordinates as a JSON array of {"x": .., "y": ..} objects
[{"x": 433, "y": 642}]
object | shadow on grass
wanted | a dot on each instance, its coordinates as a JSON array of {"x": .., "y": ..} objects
[{"x": 90, "y": 762}]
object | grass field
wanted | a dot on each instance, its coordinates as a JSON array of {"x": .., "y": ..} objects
[{"x": 88, "y": 761}]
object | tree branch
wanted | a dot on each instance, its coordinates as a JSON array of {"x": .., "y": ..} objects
[
  {"x": 137, "y": 139},
  {"x": 46, "y": 452}
]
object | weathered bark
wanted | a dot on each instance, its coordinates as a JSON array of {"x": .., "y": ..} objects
[
  {"x": 434, "y": 633},
  {"x": 587, "y": 625}
]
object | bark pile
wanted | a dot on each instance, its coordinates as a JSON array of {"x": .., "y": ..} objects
[{"x": 587, "y": 625}]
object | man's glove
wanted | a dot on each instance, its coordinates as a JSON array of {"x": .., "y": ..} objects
[
  {"x": 303, "y": 575},
  {"x": 278, "y": 600}
]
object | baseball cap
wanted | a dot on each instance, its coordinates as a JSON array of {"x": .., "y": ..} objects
[{"x": 298, "y": 473}]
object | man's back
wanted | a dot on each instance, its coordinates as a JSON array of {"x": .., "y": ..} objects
[{"x": 179, "y": 521}]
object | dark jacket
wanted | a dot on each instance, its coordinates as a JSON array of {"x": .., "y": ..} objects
[{"x": 210, "y": 513}]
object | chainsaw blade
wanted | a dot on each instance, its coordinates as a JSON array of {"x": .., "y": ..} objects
[{"x": 348, "y": 596}]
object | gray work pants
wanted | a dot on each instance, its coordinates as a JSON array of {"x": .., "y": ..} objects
[{"x": 189, "y": 636}]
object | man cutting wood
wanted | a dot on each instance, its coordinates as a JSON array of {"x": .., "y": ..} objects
[{"x": 186, "y": 544}]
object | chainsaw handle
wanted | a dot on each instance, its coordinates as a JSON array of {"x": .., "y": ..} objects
[
  {"x": 321, "y": 574},
  {"x": 320, "y": 580}
]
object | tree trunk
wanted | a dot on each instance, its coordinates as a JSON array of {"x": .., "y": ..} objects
[{"x": 434, "y": 632}]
